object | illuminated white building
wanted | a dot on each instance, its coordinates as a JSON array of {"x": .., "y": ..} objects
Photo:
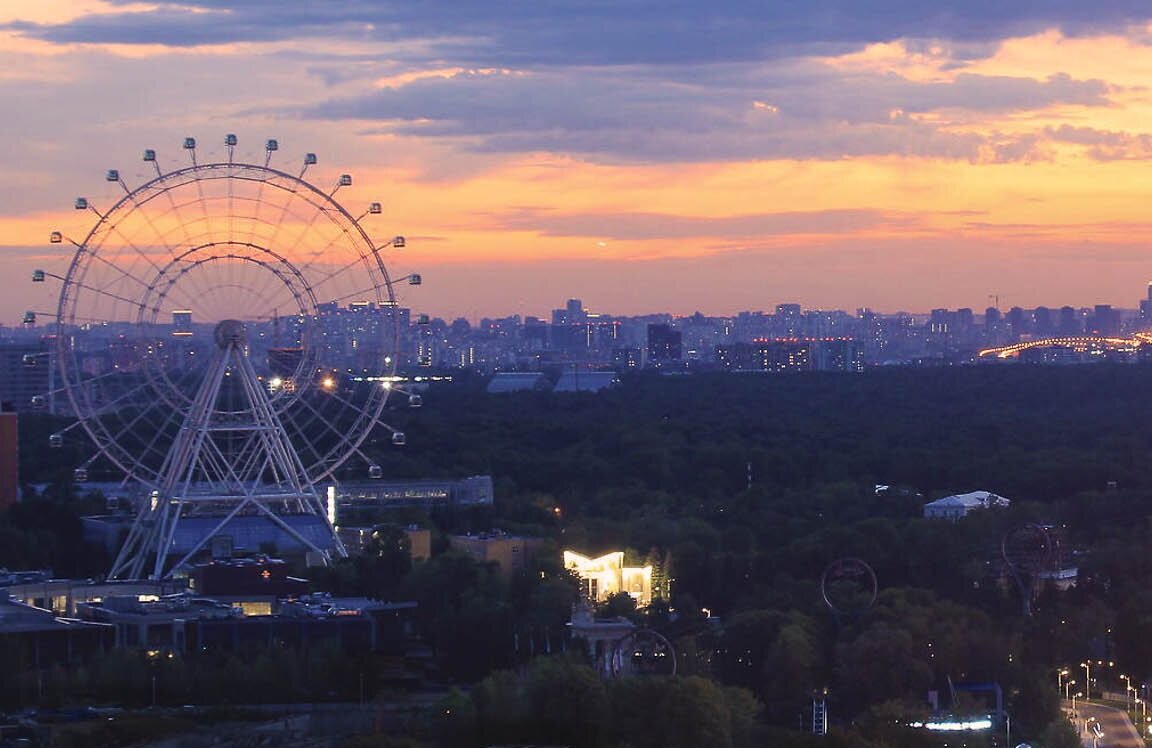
[
  {"x": 961, "y": 505},
  {"x": 607, "y": 575}
]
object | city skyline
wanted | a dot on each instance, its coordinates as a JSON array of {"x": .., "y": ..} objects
[{"x": 680, "y": 159}]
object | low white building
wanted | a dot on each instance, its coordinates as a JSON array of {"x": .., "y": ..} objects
[{"x": 960, "y": 505}]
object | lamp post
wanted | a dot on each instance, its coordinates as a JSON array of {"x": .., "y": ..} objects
[
  {"x": 1074, "y": 697},
  {"x": 1067, "y": 688},
  {"x": 1127, "y": 691},
  {"x": 1087, "y": 665},
  {"x": 1061, "y": 674}
]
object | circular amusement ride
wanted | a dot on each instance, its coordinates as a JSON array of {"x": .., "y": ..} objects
[{"x": 226, "y": 335}]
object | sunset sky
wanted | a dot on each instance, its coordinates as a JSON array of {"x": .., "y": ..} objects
[{"x": 643, "y": 156}]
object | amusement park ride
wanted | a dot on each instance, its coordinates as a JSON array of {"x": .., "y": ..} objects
[{"x": 226, "y": 335}]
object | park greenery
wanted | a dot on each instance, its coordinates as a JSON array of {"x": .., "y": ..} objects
[{"x": 742, "y": 489}]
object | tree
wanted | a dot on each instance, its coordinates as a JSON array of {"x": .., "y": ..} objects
[
  {"x": 618, "y": 605},
  {"x": 386, "y": 560}
]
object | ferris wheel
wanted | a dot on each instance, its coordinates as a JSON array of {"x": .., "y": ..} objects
[{"x": 227, "y": 335}]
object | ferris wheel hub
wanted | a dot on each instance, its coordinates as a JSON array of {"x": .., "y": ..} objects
[{"x": 230, "y": 333}]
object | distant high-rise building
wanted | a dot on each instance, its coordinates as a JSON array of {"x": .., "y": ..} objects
[
  {"x": 991, "y": 316},
  {"x": 788, "y": 319},
  {"x": 569, "y": 338},
  {"x": 1018, "y": 321},
  {"x": 737, "y": 356},
  {"x": 573, "y": 313},
  {"x": 1042, "y": 321},
  {"x": 837, "y": 354},
  {"x": 283, "y": 362},
  {"x": 1105, "y": 321},
  {"x": 576, "y": 312},
  {"x": 535, "y": 333},
  {"x": 1070, "y": 322},
  {"x": 664, "y": 344},
  {"x": 182, "y": 322},
  {"x": 626, "y": 358},
  {"x": 784, "y": 355},
  {"x": 1145, "y": 313},
  {"x": 24, "y": 372},
  {"x": 939, "y": 322}
]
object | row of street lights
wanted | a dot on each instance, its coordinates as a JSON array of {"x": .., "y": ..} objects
[{"x": 1132, "y": 700}]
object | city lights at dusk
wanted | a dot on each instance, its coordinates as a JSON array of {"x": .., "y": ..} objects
[{"x": 670, "y": 374}]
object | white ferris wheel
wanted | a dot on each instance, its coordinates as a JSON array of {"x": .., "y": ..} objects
[{"x": 227, "y": 336}]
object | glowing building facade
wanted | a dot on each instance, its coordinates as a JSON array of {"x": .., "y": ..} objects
[{"x": 607, "y": 575}]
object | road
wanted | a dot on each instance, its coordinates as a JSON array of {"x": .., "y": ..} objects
[{"x": 1117, "y": 728}]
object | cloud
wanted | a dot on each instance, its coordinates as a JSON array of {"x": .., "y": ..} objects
[
  {"x": 625, "y": 83},
  {"x": 1104, "y": 145},
  {"x": 573, "y": 32},
  {"x": 799, "y": 110},
  {"x": 650, "y": 226}
]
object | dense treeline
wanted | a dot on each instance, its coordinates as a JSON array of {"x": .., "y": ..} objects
[
  {"x": 745, "y": 487},
  {"x": 1032, "y": 433}
]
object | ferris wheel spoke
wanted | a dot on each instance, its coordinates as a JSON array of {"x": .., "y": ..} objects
[
  {"x": 231, "y": 216},
  {"x": 167, "y": 192},
  {"x": 258, "y": 203},
  {"x": 321, "y": 252},
  {"x": 85, "y": 387},
  {"x": 116, "y": 268},
  {"x": 276, "y": 283},
  {"x": 321, "y": 420},
  {"x": 284, "y": 208},
  {"x": 109, "y": 294},
  {"x": 357, "y": 262},
  {"x": 318, "y": 212},
  {"x": 142, "y": 210},
  {"x": 115, "y": 228},
  {"x": 160, "y": 434}
]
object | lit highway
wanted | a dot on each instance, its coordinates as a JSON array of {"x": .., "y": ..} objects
[{"x": 1115, "y": 727}]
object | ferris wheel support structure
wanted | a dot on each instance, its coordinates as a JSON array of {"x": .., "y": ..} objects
[{"x": 265, "y": 477}]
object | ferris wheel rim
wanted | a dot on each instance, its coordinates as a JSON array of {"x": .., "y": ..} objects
[{"x": 73, "y": 289}]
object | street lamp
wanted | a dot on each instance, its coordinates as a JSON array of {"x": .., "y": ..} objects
[
  {"x": 1127, "y": 691},
  {"x": 1087, "y": 665},
  {"x": 1068, "y": 687},
  {"x": 1075, "y": 696},
  {"x": 1060, "y": 675}
]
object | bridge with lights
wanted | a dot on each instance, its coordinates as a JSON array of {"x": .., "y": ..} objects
[{"x": 1079, "y": 344}]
